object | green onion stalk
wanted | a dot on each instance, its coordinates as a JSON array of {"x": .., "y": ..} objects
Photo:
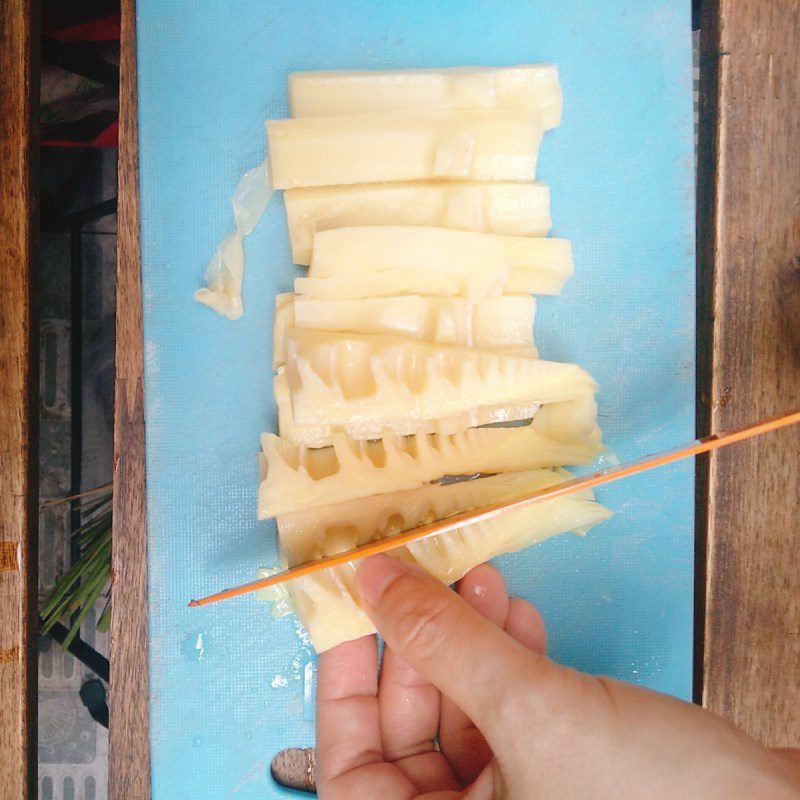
[{"x": 75, "y": 593}]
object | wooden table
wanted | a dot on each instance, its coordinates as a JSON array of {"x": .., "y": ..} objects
[
  {"x": 748, "y": 535},
  {"x": 19, "y": 408}
]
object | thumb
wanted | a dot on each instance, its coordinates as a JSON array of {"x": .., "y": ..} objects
[{"x": 476, "y": 664}]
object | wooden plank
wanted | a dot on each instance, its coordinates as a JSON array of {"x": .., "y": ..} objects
[
  {"x": 19, "y": 372},
  {"x": 752, "y": 625},
  {"x": 129, "y": 751}
]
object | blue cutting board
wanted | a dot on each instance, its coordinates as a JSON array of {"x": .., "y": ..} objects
[{"x": 229, "y": 685}]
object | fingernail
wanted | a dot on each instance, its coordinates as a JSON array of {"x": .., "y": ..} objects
[{"x": 375, "y": 574}]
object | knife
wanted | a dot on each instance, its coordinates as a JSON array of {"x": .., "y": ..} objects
[{"x": 454, "y": 521}]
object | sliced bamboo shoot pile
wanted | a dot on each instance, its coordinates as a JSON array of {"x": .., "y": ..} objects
[
  {"x": 496, "y": 323},
  {"x": 512, "y": 209},
  {"x": 327, "y": 602},
  {"x": 524, "y": 265},
  {"x": 529, "y": 86},
  {"x": 478, "y": 145},
  {"x": 322, "y": 435},
  {"x": 297, "y": 478},
  {"x": 409, "y": 195},
  {"x": 368, "y": 384}
]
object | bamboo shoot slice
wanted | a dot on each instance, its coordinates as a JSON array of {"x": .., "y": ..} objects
[
  {"x": 308, "y": 534},
  {"x": 474, "y": 286},
  {"x": 497, "y": 322},
  {"x": 512, "y": 209},
  {"x": 297, "y": 478},
  {"x": 327, "y": 603},
  {"x": 395, "y": 283},
  {"x": 504, "y": 322},
  {"x": 322, "y": 435},
  {"x": 482, "y": 145},
  {"x": 528, "y": 86},
  {"x": 368, "y": 384},
  {"x": 524, "y": 265}
]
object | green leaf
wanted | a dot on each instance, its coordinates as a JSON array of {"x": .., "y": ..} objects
[{"x": 105, "y": 617}]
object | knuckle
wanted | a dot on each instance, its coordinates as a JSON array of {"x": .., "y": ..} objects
[{"x": 422, "y": 624}]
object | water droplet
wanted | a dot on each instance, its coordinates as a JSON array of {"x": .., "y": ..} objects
[
  {"x": 607, "y": 459},
  {"x": 195, "y": 646},
  {"x": 301, "y": 633},
  {"x": 309, "y": 691}
]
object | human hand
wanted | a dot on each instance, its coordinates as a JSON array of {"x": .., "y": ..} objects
[{"x": 468, "y": 672}]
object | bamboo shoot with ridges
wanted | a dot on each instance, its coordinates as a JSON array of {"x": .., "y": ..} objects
[{"x": 298, "y": 478}]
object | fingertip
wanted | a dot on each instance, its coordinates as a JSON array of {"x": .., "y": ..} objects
[
  {"x": 525, "y": 625},
  {"x": 349, "y": 668},
  {"x": 485, "y": 590},
  {"x": 484, "y": 575}
]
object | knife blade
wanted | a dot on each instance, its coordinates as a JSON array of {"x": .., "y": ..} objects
[{"x": 473, "y": 516}]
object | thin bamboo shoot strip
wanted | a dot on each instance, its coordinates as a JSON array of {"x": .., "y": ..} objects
[
  {"x": 524, "y": 265},
  {"x": 496, "y": 323},
  {"x": 367, "y": 384},
  {"x": 472, "y": 286},
  {"x": 394, "y": 283},
  {"x": 327, "y": 602},
  {"x": 512, "y": 209},
  {"x": 298, "y": 478},
  {"x": 483, "y": 145},
  {"x": 282, "y": 321},
  {"x": 529, "y": 86}
]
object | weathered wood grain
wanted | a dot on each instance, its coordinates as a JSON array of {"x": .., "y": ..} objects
[
  {"x": 18, "y": 403},
  {"x": 129, "y": 751},
  {"x": 752, "y": 621}
]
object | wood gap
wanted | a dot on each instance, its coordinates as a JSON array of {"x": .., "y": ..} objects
[{"x": 705, "y": 222}]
